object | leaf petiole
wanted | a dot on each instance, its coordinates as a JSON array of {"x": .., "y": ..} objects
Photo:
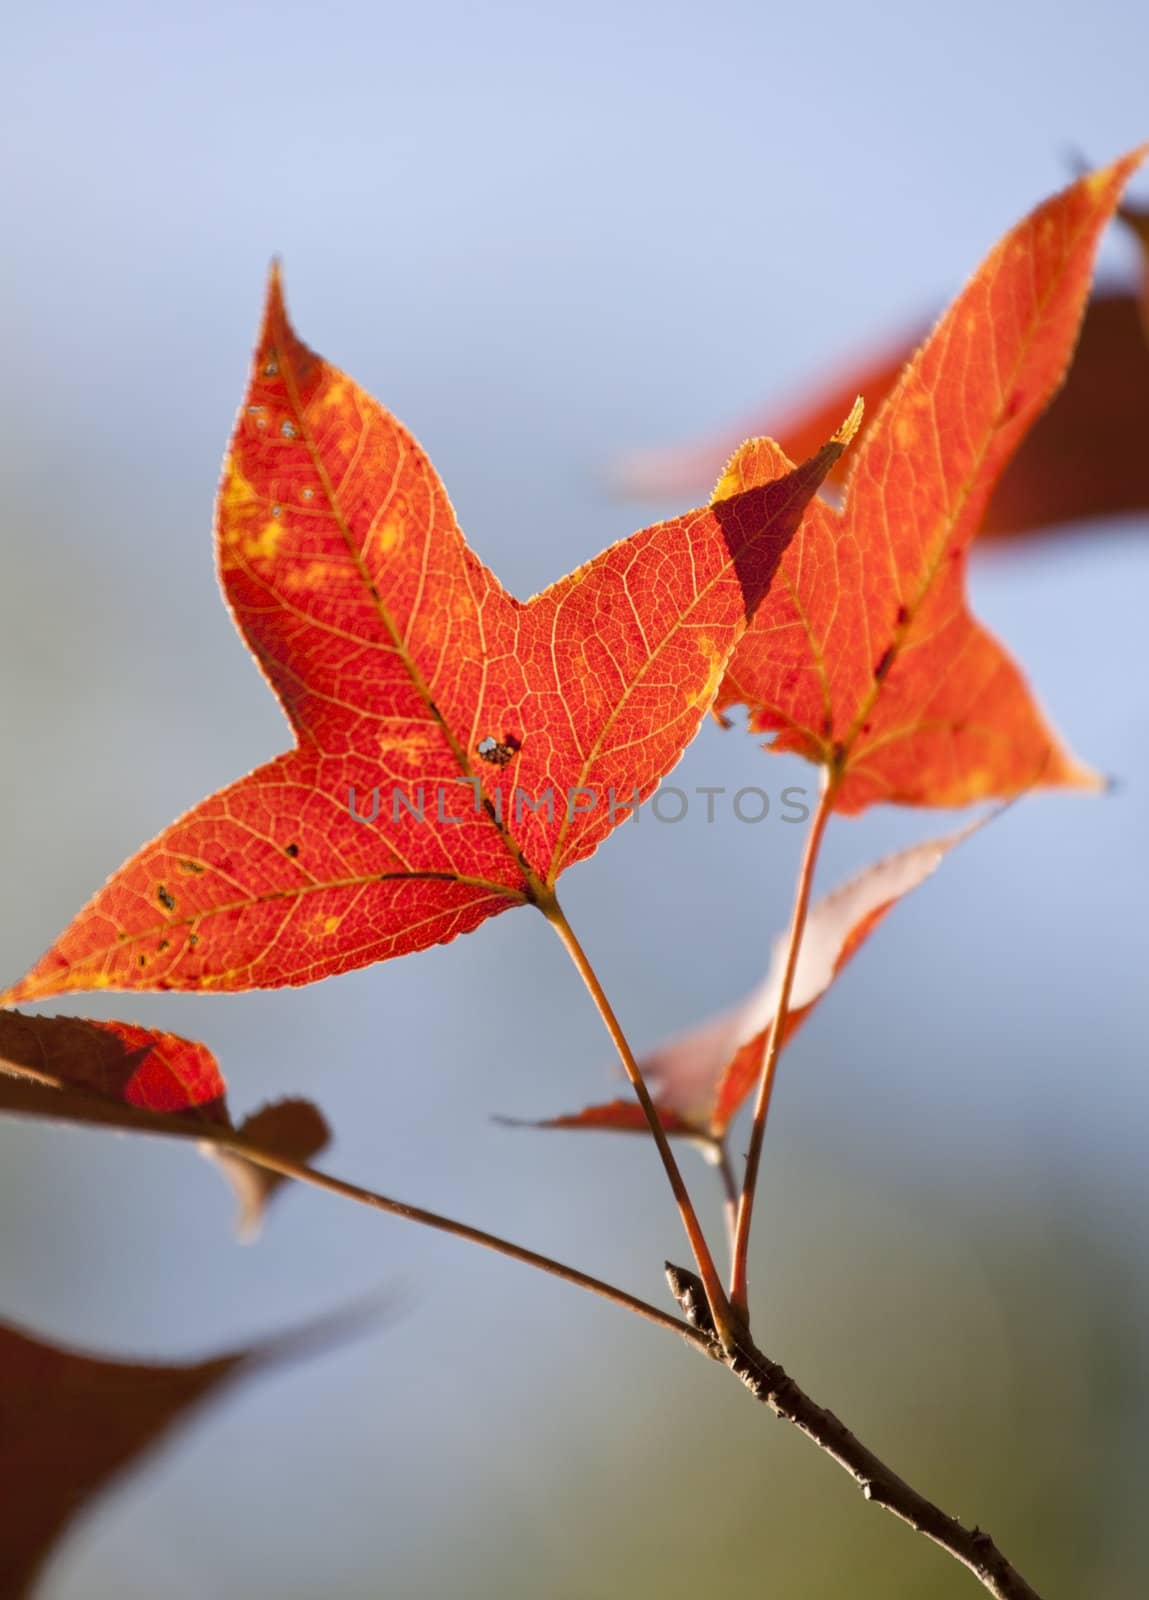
[
  {"x": 727, "y": 1324},
  {"x": 740, "y": 1250}
]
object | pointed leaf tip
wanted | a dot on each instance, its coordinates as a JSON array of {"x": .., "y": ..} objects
[
  {"x": 760, "y": 461},
  {"x": 700, "y": 1079},
  {"x": 920, "y": 705},
  {"x": 849, "y": 429}
]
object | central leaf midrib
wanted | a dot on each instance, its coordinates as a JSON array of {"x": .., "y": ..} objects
[
  {"x": 422, "y": 688},
  {"x": 900, "y": 634}
]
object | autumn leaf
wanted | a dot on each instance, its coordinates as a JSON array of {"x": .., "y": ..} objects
[
  {"x": 118, "y": 1061},
  {"x": 488, "y": 743},
  {"x": 864, "y": 656},
  {"x": 71, "y": 1423},
  {"x": 292, "y": 1128},
  {"x": 134, "y": 1079},
  {"x": 1136, "y": 219},
  {"x": 686, "y": 471},
  {"x": 1083, "y": 459},
  {"x": 701, "y": 1078}
]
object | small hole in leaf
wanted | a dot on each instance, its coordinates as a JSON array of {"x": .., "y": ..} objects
[{"x": 287, "y": 429}]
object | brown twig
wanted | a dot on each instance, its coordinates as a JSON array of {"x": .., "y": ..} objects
[
  {"x": 40, "y": 1094},
  {"x": 715, "y": 1292},
  {"x": 717, "y": 1155},
  {"x": 30, "y": 1092},
  {"x": 769, "y": 1383}
]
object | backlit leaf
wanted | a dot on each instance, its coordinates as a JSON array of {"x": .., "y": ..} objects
[
  {"x": 134, "y": 1079},
  {"x": 1083, "y": 459},
  {"x": 701, "y": 1078},
  {"x": 119, "y": 1061},
  {"x": 864, "y": 656},
  {"x": 489, "y": 743}
]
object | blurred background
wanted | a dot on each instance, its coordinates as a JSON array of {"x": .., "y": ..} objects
[{"x": 541, "y": 235}]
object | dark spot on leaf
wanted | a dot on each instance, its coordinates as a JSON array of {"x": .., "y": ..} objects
[
  {"x": 166, "y": 898},
  {"x": 292, "y": 851},
  {"x": 193, "y": 940},
  {"x": 884, "y": 663},
  {"x": 164, "y": 943},
  {"x": 142, "y": 960},
  {"x": 903, "y": 616},
  {"x": 499, "y": 751},
  {"x": 192, "y": 866}
]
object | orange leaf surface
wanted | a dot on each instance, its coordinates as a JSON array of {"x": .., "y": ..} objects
[
  {"x": 1084, "y": 458},
  {"x": 864, "y": 656},
  {"x": 119, "y": 1075},
  {"x": 495, "y": 741},
  {"x": 701, "y": 1078}
]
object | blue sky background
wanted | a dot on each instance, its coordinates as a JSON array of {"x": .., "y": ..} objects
[{"x": 541, "y": 234}]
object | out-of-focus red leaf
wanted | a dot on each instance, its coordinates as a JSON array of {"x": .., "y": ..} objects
[
  {"x": 118, "y": 1061},
  {"x": 71, "y": 1423},
  {"x": 687, "y": 471},
  {"x": 118, "y": 1074},
  {"x": 407, "y": 671},
  {"x": 296, "y": 1129},
  {"x": 1084, "y": 458},
  {"x": 1136, "y": 219},
  {"x": 614, "y": 1116},
  {"x": 864, "y": 656},
  {"x": 700, "y": 1079}
]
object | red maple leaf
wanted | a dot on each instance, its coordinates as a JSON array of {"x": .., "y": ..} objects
[
  {"x": 489, "y": 742},
  {"x": 864, "y": 657}
]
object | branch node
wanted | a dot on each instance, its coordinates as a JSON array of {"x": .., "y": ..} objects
[{"x": 690, "y": 1293}]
